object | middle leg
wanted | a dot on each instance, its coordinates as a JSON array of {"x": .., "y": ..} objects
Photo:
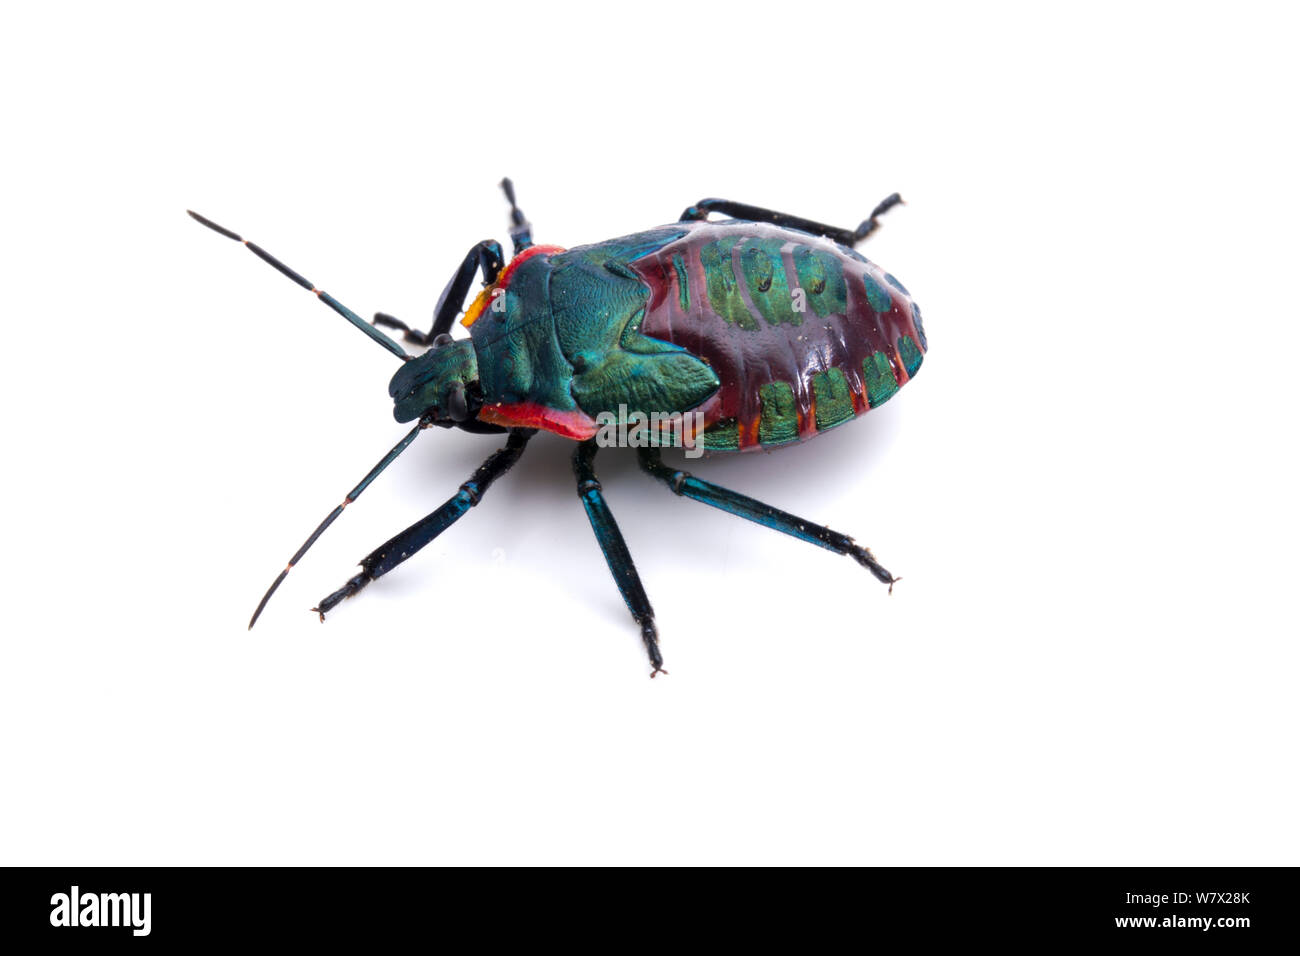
[{"x": 616, "y": 554}]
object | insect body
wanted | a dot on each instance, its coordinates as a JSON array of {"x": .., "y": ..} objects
[
  {"x": 773, "y": 334},
  {"x": 769, "y": 327}
]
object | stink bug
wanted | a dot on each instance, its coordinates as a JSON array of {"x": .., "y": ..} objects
[{"x": 769, "y": 328}]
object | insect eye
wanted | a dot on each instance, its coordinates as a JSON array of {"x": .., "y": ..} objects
[
  {"x": 457, "y": 407},
  {"x": 440, "y": 340}
]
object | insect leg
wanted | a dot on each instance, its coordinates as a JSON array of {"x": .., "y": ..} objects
[
  {"x": 325, "y": 297},
  {"x": 740, "y": 210},
  {"x": 616, "y": 553},
  {"x": 397, "y": 549},
  {"x": 485, "y": 255},
  {"x": 521, "y": 230},
  {"x": 682, "y": 483},
  {"x": 329, "y": 519}
]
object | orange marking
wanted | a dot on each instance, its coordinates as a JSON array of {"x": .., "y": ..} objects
[
  {"x": 858, "y": 396},
  {"x": 480, "y": 303},
  {"x": 900, "y": 370},
  {"x": 478, "y": 306}
]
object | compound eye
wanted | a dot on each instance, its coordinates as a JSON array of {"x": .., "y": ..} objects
[
  {"x": 457, "y": 407},
  {"x": 441, "y": 339}
]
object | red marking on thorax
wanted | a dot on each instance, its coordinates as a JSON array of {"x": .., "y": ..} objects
[
  {"x": 574, "y": 424},
  {"x": 504, "y": 279}
]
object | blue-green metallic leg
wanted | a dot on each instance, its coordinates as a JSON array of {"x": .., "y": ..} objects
[
  {"x": 683, "y": 483},
  {"x": 352, "y": 496},
  {"x": 740, "y": 210},
  {"x": 616, "y": 554},
  {"x": 485, "y": 256},
  {"x": 397, "y": 549}
]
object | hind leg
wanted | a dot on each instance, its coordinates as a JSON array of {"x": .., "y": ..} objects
[
  {"x": 740, "y": 210},
  {"x": 682, "y": 483}
]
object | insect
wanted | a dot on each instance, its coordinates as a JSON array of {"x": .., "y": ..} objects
[{"x": 769, "y": 328}]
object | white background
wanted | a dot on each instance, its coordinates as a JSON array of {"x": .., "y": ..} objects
[{"x": 1089, "y": 490}]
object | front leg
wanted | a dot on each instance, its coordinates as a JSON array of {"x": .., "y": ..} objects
[
  {"x": 404, "y": 545},
  {"x": 485, "y": 256},
  {"x": 616, "y": 554}
]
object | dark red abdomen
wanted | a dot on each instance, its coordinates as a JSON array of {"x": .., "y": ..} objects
[{"x": 803, "y": 333}]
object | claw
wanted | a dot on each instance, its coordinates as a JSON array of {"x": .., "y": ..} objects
[
  {"x": 650, "y": 635},
  {"x": 868, "y": 560}
]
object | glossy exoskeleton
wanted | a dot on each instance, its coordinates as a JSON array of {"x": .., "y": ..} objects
[{"x": 759, "y": 330}]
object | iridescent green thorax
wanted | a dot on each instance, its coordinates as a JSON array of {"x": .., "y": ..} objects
[{"x": 565, "y": 337}]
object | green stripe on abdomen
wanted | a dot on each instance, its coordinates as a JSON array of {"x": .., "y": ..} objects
[
  {"x": 880, "y": 379},
  {"x": 778, "y": 421},
  {"x": 683, "y": 284},
  {"x": 765, "y": 280},
  {"x": 821, "y": 276},
  {"x": 720, "y": 282},
  {"x": 910, "y": 354},
  {"x": 833, "y": 405},
  {"x": 721, "y": 436}
]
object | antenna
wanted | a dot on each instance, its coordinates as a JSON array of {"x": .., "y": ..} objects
[{"x": 325, "y": 297}]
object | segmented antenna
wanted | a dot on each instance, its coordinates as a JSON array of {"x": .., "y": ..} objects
[
  {"x": 325, "y": 297},
  {"x": 338, "y": 510}
]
